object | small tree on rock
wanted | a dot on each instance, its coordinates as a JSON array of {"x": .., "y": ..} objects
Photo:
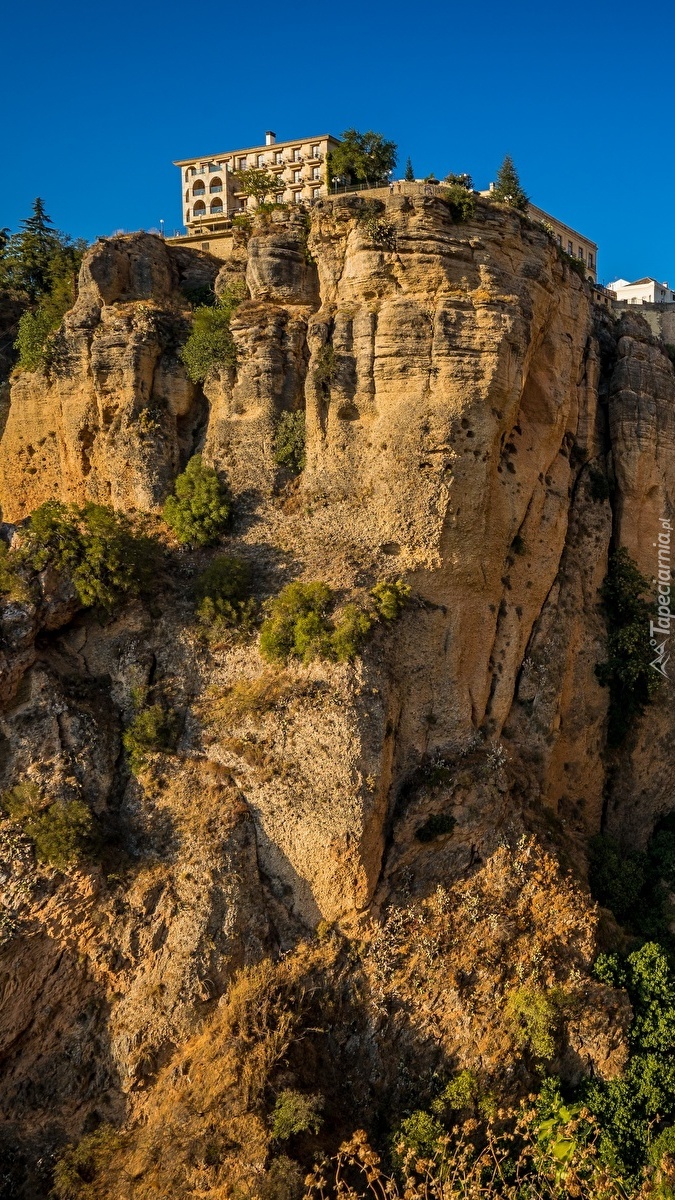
[
  {"x": 257, "y": 182},
  {"x": 508, "y": 188}
]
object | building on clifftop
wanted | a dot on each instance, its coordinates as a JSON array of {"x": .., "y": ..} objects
[{"x": 210, "y": 192}]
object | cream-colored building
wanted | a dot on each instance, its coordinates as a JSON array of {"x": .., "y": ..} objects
[
  {"x": 569, "y": 240},
  {"x": 643, "y": 291},
  {"x": 210, "y": 192}
]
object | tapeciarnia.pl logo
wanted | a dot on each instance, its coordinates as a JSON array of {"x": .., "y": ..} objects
[{"x": 659, "y": 630}]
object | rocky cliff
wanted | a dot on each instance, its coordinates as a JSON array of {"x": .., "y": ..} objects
[{"x": 462, "y": 399}]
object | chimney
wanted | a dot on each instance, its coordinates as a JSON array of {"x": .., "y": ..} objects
[{"x": 270, "y": 138}]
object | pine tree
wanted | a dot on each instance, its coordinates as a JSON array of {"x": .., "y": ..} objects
[
  {"x": 508, "y": 189},
  {"x": 33, "y": 250},
  {"x": 409, "y": 173}
]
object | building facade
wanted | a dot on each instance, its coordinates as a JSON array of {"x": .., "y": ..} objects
[
  {"x": 210, "y": 194},
  {"x": 643, "y": 291},
  {"x": 570, "y": 240}
]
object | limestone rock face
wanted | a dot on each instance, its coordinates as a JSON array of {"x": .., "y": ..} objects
[
  {"x": 115, "y": 414},
  {"x": 473, "y": 427}
]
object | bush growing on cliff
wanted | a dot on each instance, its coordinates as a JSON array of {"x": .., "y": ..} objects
[
  {"x": 299, "y": 624},
  {"x": 508, "y": 189},
  {"x": 210, "y": 343},
  {"x": 95, "y": 546},
  {"x": 390, "y": 598},
  {"x": 79, "y": 1166},
  {"x": 61, "y": 830},
  {"x": 34, "y": 339},
  {"x": 289, "y": 441},
  {"x": 460, "y": 201},
  {"x": 12, "y": 585},
  {"x": 627, "y": 672},
  {"x": 153, "y": 728},
  {"x": 199, "y": 509},
  {"x": 636, "y": 884},
  {"x": 295, "y": 1112},
  {"x": 222, "y": 595}
]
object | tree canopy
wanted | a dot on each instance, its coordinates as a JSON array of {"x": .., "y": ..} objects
[
  {"x": 38, "y": 255},
  {"x": 508, "y": 188},
  {"x": 258, "y": 183},
  {"x": 363, "y": 157}
]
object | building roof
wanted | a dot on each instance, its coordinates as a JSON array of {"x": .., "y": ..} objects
[{"x": 315, "y": 137}]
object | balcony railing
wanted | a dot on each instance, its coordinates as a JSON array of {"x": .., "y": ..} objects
[{"x": 218, "y": 188}]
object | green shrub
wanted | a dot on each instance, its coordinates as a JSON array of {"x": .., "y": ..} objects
[
  {"x": 289, "y": 441},
  {"x": 636, "y": 884},
  {"x": 535, "y": 1016},
  {"x": 199, "y": 509},
  {"x": 95, "y": 546},
  {"x": 210, "y": 343},
  {"x": 34, "y": 338},
  {"x": 297, "y": 625},
  {"x": 294, "y": 1112},
  {"x": 283, "y": 1180},
  {"x": 22, "y": 800},
  {"x": 420, "y": 1134},
  {"x": 350, "y": 632},
  {"x": 627, "y": 672},
  {"x": 61, "y": 833},
  {"x": 638, "y": 1106},
  {"x": 460, "y": 201},
  {"x": 223, "y": 602},
  {"x": 78, "y": 1166},
  {"x": 152, "y": 728},
  {"x": 325, "y": 368},
  {"x": 390, "y": 598},
  {"x": 12, "y": 586}
]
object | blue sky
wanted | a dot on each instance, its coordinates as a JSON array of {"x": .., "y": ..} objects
[{"x": 98, "y": 101}]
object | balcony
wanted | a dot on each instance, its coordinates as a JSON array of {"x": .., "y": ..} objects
[
  {"x": 195, "y": 171},
  {"x": 217, "y": 188}
]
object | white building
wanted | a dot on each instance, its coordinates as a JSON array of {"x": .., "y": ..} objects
[
  {"x": 210, "y": 189},
  {"x": 643, "y": 291}
]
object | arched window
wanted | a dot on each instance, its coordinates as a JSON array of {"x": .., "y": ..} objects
[
  {"x": 187, "y": 196},
  {"x": 199, "y": 189},
  {"x": 199, "y": 209},
  {"x": 216, "y": 185},
  {"x": 216, "y": 206},
  {"x": 187, "y": 174}
]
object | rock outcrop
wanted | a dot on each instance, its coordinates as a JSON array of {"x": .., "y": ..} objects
[{"x": 461, "y": 399}]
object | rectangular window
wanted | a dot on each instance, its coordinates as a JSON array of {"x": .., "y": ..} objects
[
  {"x": 560, "y": 239},
  {"x": 298, "y": 197},
  {"x": 581, "y": 253},
  {"x": 260, "y": 161},
  {"x": 590, "y": 260},
  {"x": 315, "y": 151},
  {"x": 205, "y": 245},
  {"x": 316, "y": 192},
  {"x": 296, "y": 156},
  {"x": 296, "y": 176},
  {"x": 241, "y": 164},
  {"x": 316, "y": 172},
  {"x": 279, "y": 198},
  {"x": 570, "y": 248},
  {"x": 278, "y": 156}
]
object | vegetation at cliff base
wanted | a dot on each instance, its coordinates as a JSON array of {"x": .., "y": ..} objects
[
  {"x": 80, "y": 1164},
  {"x": 294, "y": 1113},
  {"x": 289, "y": 441},
  {"x": 508, "y": 188},
  {"x": 199, "y": 509},
  {"x": 636, "y": 884},
  {"x": 41, "y": 264},
  {"x": 627, "y": 673},
  {"x": 95, "y": 547},
  {"x": 211, "y": 344},
  {"x": 362, "y": 158},
  {"x": 223, "y": 600}
]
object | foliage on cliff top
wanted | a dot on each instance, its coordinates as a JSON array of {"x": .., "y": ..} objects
[
  {"x": 632, "y": 682},
  {"x": 95, "y": 546},
  {"x": 363, "y": 157},
  {"x": 210, "y": 344},
  {"x": 199, "y": 509},
  {"x": 508, "y": 188}
]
